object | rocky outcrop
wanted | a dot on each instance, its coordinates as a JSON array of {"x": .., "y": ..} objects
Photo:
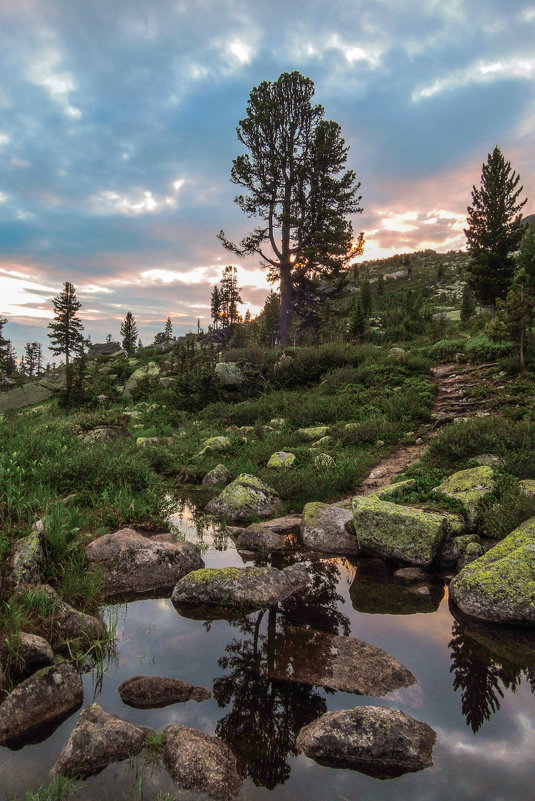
[
  {"x": 500, "y": 585},
  {"x": 26, "y": 395},
  {"x": 281, "y": 459},
  {"x": 397, "y": 533},
  {"x": 339, "y": 663},
  {"x": 218, "y": 475},
  {"x": 97, "y": 740},
  {"x": 28, "y": 561},
  {"x": 241, "y": 587},
  {"x": 37, "y": 704},
  {"x": 328, "y": 529},
  {"x": 469, "y": 487},
  {"x": 229, "y": 374},
  {"x": 151, "y": 370},
  {"x": 149, "y": 692},
  {"x": 133, "y": 563},
  {"x": 380, "y": 742},
  {"x": 245, "y": 498},
  {"x": 199, "y": 762}
]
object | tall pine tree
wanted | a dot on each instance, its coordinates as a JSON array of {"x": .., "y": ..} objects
[
  {"x": 66, "y": 328},
  {"x": 494, "y": 229},
  {"x": 129, "y": 333}
]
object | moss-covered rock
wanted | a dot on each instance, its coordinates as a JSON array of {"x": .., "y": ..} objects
[
  {"x": 398, "y": 533},
  {"x": 220, "y": 474},
  {"x": 527, "y": 487},
  {"x": 28, "y": 561},
  {"x": 150, "y": 370},
  {"x": 328, "y": 529},
  {"x": 469, "y": 487},
  {"x": 322, "y": 461},
  {"x": 229, "y": 374},
  {"x": 395, "y": 489},
  {"x": 500, "y": 585},
  {"x": 323, "y": 442},
  {"x": 456, "y": 552},
  {"x": 215, "y": 445},
  {"x": 281, "y": 459},
  {"x": 245, "y": 498},
  {"x": 27, "y": 395},
  {"x": 313, "y": 433}
]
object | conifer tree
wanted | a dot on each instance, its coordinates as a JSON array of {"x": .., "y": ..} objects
[
  {"x": 296, "y": 184},
  {"x": 358, "y": 324},
  {"x": 129, "y": 333},
  {"x": 381, "y": 285},
  {"x": 5, "y": 346},
  {"x": 494, "y": 229},
  {"x": 66, "y": 328},
  {"x": 269, "y": 319},
  {"x": 168, "y": 330},
  {"x": 215, "y": 307},
  {"x": 468, "y": 304}
]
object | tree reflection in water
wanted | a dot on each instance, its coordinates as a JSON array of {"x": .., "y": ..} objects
[{"x": 267, "y": 714}]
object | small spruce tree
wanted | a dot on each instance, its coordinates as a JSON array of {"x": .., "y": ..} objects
[
  {"x": 129, "y": 333},
  {"x": 468, "y": 305},
  {"x": 66, "y": 328}
]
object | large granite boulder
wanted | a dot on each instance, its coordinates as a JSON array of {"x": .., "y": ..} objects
[
  {"x": 241, "y": 587},
  {"x": 39, "y": 703},
  {"x": 151, "y": 370},
  {"x": 469, "y": 487},
  {"x": 229, "y": 374},
  {"x": 27, "y": 395},
  {"x": 97, "y": 740},
  {"x": 339, "y": 663},
  {"x": 500, "y": 585},
  {"x": 329, "y": 529},
  {"x": 245, "y": 498},
  {"x": 218, "y": 475},
  {"x": 378, "y": 741},
  {"x": 256, "y": 538},
  {"x": 397, "y": 533},
  {"x": 133, "y": 563},
  {"x": 199, "y": 762},
  {"x": 149, "y": 692},
  {"x": 28, "y": 561}
]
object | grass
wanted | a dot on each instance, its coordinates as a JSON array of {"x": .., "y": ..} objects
[{"x": 59, "y": 789}]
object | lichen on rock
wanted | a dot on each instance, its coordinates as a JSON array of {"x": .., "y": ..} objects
[
  {"x": 244, "y": 499},
  {"x": 469, "y": 487}
]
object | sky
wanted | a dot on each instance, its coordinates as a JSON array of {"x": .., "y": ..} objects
[{"x": 118, "y": 130}]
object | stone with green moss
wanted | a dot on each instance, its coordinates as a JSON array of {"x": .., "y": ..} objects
[
  {"x": 244, "y": 499},
  {"x": 150, "y": 370},
  {"x": 397, "y": 533},
  {"x": 322, "y": 461},
  {"x": 277, "y": 422},
  {"x": 395, "y": 489},
  {"x": 488, "y": 460},
  {"x": 323, "y": 442},
  {"x": 328, "y": 529},
  {"x": 313, "y": 433},
  {"x": 459, "y": 551},
  {"x": 220, "y": 474},
  {"x": 469, "y": 487},
  {"x": 281, "y": 459},
  {"x": 500, "y": 585},
  {"x": 527, "y": 487},
  {"x": 215, "y": 445},
  {"x": 242, "y": 587},
  {"x": 26, "y": 395},
  {"x": 28, "y": 561}
]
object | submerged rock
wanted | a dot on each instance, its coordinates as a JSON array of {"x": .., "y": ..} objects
[
  {"x": 339, "y": 663},
  {"x": 500, "y": 585},
  {"x": 328, "y": 529},
  {"x": 256, "y": 538},
  {"x": 245, "y": 498},
  {"x": 380, "y": 742},
  {"x": 241, "y": 587},
  {"x": 399, "y": 533},
  {"x": 375, "y": 592},
  {"x": 218, "y": 475},
  {"x": 410, "y": 575},
  {"x": 28, "y": 561},
  {"x": 97, "y": 740},
  {"x": 149, "y": 692},
  {"x": 469, "y": 486},
  {"x": 199, "y": 762},
  {"x": 133, "y": 563},
  {"x": 39, "y": 703},
  {"x": 281, "y": 459}
]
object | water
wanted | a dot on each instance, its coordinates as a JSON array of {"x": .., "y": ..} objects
[{"x": 475, "y": 688}]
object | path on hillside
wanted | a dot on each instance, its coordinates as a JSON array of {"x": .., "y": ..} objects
[{"x": 452, "y": 380}]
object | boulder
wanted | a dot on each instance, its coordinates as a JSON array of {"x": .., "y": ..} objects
[
  {"x": 410, "y": 575},
  {"x": 277, "y": 422},
  {"x": 151, "y": 370},
  {"x": 256, "y": 538},
  {"x": 527, "y": 487},
  {"x": 395, "y": 489},
  {"x": 28, "y": 561},
  {"x": 378, "y": 741},
  {"x": 166, "y": 382},
  {"x": 323, "y": 442},
  {"x": 218, "y": 475},
  {"x": 488, "y": 459},
  {"x": 229, "y": 374},
  {"x": 500, "y": 585},
  {"x": 313, "y": 433},
  {"x": 97, "y": 740},
  {"x": 339, "y": 663},
  {"x": 199, "y": 762},
  {"x": 27, "y": 653},
  {"x": 327, "y": 529},
  {"x": 133, "y": 563},
  {"x": 245, "y": 498},
  {"x": 241, "y": 587},
  {"x": 398, "y": 533},
  {"x": 281, "y": 459},
  {"x": 149, "y": 692},
  {"x": 453, "y": 553},
  {"x": 68, "y": 623},
  {"x": 27, "y": 395},
  {"x": 279, "y": 525},
  {"x": 215, "y": 445},
  {"x": 105, "y": 434},
  {"x": 37, "y": 704},
  {"x": 469, "y": 486},
  {"x": 153, "y": 442}
]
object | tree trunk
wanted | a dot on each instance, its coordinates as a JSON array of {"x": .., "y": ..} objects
[{"x": 286, "y": 302}]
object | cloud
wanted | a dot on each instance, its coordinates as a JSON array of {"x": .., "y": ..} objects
[
  {"x": 138, "y": 201},
  {"x": 42, "y": 71},
  {"x": 482, "y": 72}
]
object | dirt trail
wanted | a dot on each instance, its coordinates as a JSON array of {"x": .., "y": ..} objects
[{"x": 452, "y": 380}]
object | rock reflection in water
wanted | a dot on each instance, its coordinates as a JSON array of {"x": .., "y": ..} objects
[
  {"x": 486, "y": 661},
  {"x": 376, "y": 593}
]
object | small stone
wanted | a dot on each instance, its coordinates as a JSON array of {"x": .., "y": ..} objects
[
  {"x": 313, "y": 433},
  {"x": 150, "y": 692}
]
